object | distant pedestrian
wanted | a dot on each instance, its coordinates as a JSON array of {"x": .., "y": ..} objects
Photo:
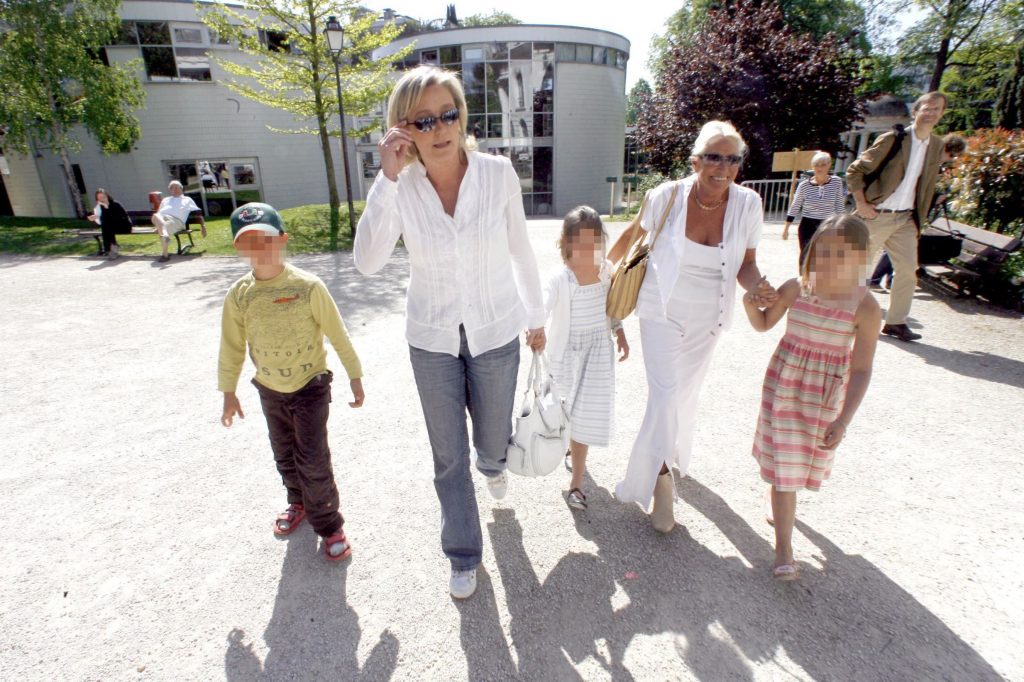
[
  {"x": 278, "y": 315},
  {"x": 815, "y": 381},
  {"x": 893, "y": 183},
  {"x": 580, "y": 341},
  {"x": 473, "y": 287},
  {"x": 816, "y": 198},
  {"x": 954, "y": 146},
  {"x": 112, "y": 219}
]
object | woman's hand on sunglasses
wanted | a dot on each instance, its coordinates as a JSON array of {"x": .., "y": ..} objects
[{"x": 393, "y": 147}]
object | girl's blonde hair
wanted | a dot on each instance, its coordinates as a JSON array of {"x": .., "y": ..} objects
[
  {"x": 579, "y": 219},
  {"x": 407, "y": 93},
  {"x": 849, "y": 227},
  {"x": 713, "y": 130}
]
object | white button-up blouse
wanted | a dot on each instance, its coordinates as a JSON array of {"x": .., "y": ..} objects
[
  {"x": 741, "y": 230},
  {"x": 476, "y": 269}
]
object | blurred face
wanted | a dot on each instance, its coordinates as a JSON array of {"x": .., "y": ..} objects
[
  {"x": 434, "y": 125},
  {"x": 719, "y": 164},
  {"x": 929, "y": 112},
  {"x": 838, "y": 263},
  {"x": 175, "y": 190},
  {"x": 261, "y": 249},
  {"x": 821, "y": 166},
  {"x": 585, "y": 248},
  {"x": 101, "y": 198}
]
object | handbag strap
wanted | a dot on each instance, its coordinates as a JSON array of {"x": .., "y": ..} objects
[
  {"x": 636, "y": 228},
  {"x": 664, "y": 214}
]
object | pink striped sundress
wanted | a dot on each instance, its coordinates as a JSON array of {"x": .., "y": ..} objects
[{"x": 802, "y": 395}]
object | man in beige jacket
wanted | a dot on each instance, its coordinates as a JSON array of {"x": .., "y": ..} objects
[{"x": 895, "y": 202}]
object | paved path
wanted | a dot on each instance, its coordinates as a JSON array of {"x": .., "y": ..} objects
[{"x": 138, "y": 545}]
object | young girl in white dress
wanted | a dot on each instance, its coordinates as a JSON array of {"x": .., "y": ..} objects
[{"x": 580, "y": 341}]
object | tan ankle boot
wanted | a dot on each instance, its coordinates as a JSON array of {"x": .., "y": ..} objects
[{"x": 662, "y": 518}]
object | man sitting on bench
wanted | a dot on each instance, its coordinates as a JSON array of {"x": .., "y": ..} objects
[{"x": 173, "y": 216}]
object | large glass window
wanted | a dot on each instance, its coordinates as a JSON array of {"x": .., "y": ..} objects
[
  {"x": 169, "y": 52},
  {"x": 218, "y": 186}
]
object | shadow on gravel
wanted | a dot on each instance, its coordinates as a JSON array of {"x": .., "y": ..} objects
[
  {"x": 313, "y": 633},
  {"x": 358, "y": 296},
  {"x": 846, "y": 621},
  {"x": 974, "y": 364}
]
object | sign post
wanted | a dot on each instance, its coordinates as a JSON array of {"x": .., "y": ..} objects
[
  {"x": 611, "y": 197},
  {"x": 792, "y": 162}
]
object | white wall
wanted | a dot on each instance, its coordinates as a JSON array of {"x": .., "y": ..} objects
[
  {"x": 24, "y": 187},
  {"x": 590, "y": 120}
]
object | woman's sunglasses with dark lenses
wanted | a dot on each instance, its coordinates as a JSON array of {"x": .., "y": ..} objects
[
  {"x": 425, "y": 124},
  {"x": 719, "y": 159}
]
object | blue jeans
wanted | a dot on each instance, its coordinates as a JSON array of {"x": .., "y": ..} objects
[{"x": 448, "y": 386}]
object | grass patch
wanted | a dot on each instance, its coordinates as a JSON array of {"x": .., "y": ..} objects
[{"x": 309, "y": 227}]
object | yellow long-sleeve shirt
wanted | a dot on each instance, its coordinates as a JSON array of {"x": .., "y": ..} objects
[{"x": 283, "y": 320}]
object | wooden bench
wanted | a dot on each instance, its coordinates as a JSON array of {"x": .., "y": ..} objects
[
  {"x": 143, "y": 218},
  {"x": 980, "y": 259}
]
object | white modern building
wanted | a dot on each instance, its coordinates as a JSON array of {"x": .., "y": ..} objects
[{"x": 552, "y": 98}]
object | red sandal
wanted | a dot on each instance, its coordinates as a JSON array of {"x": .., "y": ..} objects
[
  {"x": 336, "y": 546},
  {"x": 290, "y": 519}
]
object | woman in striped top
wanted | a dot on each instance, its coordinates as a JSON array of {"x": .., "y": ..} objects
[
  {"x": 816, "y": 198},
  {"x": 819, "y": 373}
]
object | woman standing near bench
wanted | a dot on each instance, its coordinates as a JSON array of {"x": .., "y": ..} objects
[{"x": 112, "y": 219}]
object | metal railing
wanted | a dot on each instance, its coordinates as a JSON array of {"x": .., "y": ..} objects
[{"x": 774, "y": 196}]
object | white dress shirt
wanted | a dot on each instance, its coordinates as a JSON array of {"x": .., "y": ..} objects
[
  {"x": 903, "y": 198},
  {"x": 475, "y": 269},
  {"x": 178, "y": 207},
  {"x": 743, "y": 224}
]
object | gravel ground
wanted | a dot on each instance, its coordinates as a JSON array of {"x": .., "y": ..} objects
[{"x": 158, "y": 561}]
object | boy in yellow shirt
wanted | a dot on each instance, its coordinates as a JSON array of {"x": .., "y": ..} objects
[{"x": 283, "y": 313}]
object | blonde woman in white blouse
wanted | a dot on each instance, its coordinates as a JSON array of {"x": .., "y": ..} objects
[{"x": 473, "y": 287}]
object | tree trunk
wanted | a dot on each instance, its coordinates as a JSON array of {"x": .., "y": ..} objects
[
  {"x": 332, "y": 183},
  {"x": 69, "y": 175},
  {"x": 941, "y": 57}
]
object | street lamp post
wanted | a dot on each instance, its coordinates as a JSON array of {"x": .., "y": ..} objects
[{"x": 335, "y": 41}]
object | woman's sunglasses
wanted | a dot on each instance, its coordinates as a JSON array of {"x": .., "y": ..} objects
[
  {"x": 719, "y": 159},
  {"x": 425, "y": 124}
]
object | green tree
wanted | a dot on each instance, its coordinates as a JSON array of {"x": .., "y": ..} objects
[
  {"x": 946, "y": 32},
  {"x": 495, "y": 18},
  {"x": 1009, "y": 108},
  {"x": 880, "y": 76},
  {"x": 292, "y": 68},
  {"x": 639, "y": 97},
  {"x": 53, "y": 80}
]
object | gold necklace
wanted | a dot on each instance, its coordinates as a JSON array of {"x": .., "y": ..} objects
[{"x": 705, "y": 207}]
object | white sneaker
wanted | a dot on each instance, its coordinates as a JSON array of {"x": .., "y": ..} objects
[
  {"x": 498, "y": 485},
  {"x": 462, "y": 583}
]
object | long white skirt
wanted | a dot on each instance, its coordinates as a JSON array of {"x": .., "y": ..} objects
[{"x": 677, "y": 354}]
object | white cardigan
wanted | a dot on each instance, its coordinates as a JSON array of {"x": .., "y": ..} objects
[
  {"x": 742, "y": 228},
  {"x": 557, "y": 306},
  {"x": 476, "y": 269}
]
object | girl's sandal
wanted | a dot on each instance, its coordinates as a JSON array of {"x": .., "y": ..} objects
[
  {"x": 576, "y": 499},
  {"x": 288, "y": 520},
  {"x": 336, "y": 546},
  {"x": 786, "y": 572}
]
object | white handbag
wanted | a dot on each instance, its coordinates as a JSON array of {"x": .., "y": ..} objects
[{"x": 541, "y": 434}]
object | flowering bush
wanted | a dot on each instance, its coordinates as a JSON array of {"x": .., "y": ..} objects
[{"x": 988, "y": 183}]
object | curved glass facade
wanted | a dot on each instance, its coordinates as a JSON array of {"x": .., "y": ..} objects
[{"x": 510, "y": 94}]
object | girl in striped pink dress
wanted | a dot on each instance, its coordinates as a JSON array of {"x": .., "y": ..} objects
[{"x": 819, "y": 373}]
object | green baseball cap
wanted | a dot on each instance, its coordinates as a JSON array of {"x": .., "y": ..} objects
[{"x": 256, "y": 217}]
